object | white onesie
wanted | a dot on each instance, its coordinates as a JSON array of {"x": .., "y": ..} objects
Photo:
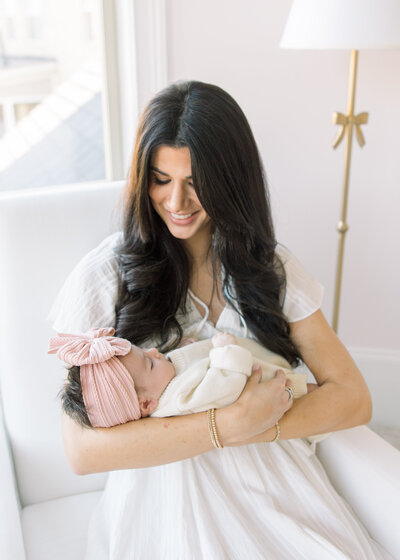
[{"x": 208, "y": 377}]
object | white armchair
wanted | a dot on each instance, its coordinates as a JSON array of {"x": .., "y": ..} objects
[{"x": 44, "y": 506}]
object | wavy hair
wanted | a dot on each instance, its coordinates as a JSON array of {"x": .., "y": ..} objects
[
  {"x": 230, "y": 183},
  {"x": 72, "y": 398}
]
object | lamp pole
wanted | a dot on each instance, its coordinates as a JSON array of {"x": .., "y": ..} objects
[{"x": 348, "y": 122}]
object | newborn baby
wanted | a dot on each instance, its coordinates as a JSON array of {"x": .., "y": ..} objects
[{"x": 120, "y": 382}]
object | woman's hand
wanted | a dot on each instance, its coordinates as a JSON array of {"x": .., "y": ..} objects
[
  {"x": 311, "y": 387},
  {"x": 259, "y": 407}
]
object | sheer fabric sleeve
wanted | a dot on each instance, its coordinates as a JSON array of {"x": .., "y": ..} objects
[
  {"x": 303, "y": 293},
  {"x": 88, "y": 297}
]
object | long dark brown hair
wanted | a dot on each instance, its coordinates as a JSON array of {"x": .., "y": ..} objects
[{"x": 230, "y": 183}]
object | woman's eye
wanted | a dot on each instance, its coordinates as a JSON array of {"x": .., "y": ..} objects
[{"x": 159, "y": 182}]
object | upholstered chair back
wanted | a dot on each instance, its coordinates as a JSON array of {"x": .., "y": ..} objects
[{"x": 43, "y": 234}]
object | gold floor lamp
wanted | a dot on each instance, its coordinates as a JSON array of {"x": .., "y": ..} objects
[{"x": 350, "y": 25}]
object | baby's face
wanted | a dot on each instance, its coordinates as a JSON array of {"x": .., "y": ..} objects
[{"x": 150, "y": 370}]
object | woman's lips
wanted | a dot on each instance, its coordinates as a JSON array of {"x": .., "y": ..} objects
[{"x": 182, "y": 219}]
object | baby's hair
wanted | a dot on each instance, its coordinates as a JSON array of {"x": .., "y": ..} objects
[{"x": 72, "y": 398}]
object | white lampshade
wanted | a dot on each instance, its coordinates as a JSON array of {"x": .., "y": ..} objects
[{"x": 343, "y": 24}]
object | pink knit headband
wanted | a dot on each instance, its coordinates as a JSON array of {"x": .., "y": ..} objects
[{"x": 108, "y": 389}]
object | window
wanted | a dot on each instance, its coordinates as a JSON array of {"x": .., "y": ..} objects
[
  {"x": 70, "y": 92},
  {"x": 51, "y": 95}
]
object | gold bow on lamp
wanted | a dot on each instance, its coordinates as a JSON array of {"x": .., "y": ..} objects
[{"x": 345, "y": 120}]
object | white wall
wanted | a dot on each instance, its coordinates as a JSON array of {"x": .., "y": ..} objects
[{"x": 289, "y": 97}]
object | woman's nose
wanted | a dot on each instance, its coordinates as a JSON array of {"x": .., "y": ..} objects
[{"x": 176, "y": 197}]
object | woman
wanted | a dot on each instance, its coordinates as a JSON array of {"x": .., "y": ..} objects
[{"x": 198, "y": 255}]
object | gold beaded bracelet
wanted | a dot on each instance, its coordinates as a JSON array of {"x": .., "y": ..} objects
[
  {"x": 212, "y": 428},
  {"x": 278, "y": 433}
]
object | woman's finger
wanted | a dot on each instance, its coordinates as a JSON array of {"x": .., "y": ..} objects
[
  {"x": 256, "y": 373},
  {"x": 280, "y": 375}
]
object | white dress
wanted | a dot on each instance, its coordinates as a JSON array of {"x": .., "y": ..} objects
[{"x": 255, "y": 502}]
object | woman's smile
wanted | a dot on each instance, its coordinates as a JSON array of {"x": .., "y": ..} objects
[{"x": 182, "y": 219}]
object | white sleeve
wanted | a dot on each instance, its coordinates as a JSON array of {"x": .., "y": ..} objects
[
  {"x": 303, "y": 293},
  {"x": 88, "y": 297},
  {"x": 222, "y": 383},
  {"x": 231, "y": 357},
  {"x": 208, "y": 383}
]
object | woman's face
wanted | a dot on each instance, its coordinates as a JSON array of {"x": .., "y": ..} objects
[{"x": 173, "y": 196}]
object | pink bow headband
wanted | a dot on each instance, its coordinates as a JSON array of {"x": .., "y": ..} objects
[{"x": 108, "y": 389}]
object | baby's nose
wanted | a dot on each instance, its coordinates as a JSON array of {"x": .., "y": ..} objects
[{"x": 154, "y": 352}]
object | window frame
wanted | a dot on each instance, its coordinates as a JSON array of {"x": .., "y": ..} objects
[{"x": 135, "y": 67}]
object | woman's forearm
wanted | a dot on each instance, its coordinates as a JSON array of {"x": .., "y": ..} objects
[
  {"x": 329, "y": 408},
  {"x": 154, "y": 441},
  {"x": 141, "y": 443},
  {"x": 342, "y": 399}
]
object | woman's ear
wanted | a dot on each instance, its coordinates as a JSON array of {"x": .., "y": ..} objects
[{"x": 147, "y": 406}]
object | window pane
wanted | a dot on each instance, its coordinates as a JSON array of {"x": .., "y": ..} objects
[
  {"x": 34, "y": 27},
  {"x": 9, "y": 13},
  {"x": 51, "y": 129},
  {"x": 88, "y": 13}
]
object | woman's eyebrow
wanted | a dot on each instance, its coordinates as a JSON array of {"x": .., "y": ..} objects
[
  {"x": 163, "y": 173},
  {"x": 158, "y": 171}
]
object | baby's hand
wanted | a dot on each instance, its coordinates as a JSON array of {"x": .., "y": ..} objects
[
  {"x": 187, "y": 341},
  {"x": 223, "y": 339}
]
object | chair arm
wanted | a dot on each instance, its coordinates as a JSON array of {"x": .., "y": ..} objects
[
  {"x": 11, "y": 539},
  {"x": 365, "y": 470}
]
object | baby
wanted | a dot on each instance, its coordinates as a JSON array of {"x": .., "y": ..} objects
[{"x": 117, "y": 382}]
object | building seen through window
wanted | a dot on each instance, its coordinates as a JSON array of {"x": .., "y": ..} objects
[{"x": 51, "y": 129}]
